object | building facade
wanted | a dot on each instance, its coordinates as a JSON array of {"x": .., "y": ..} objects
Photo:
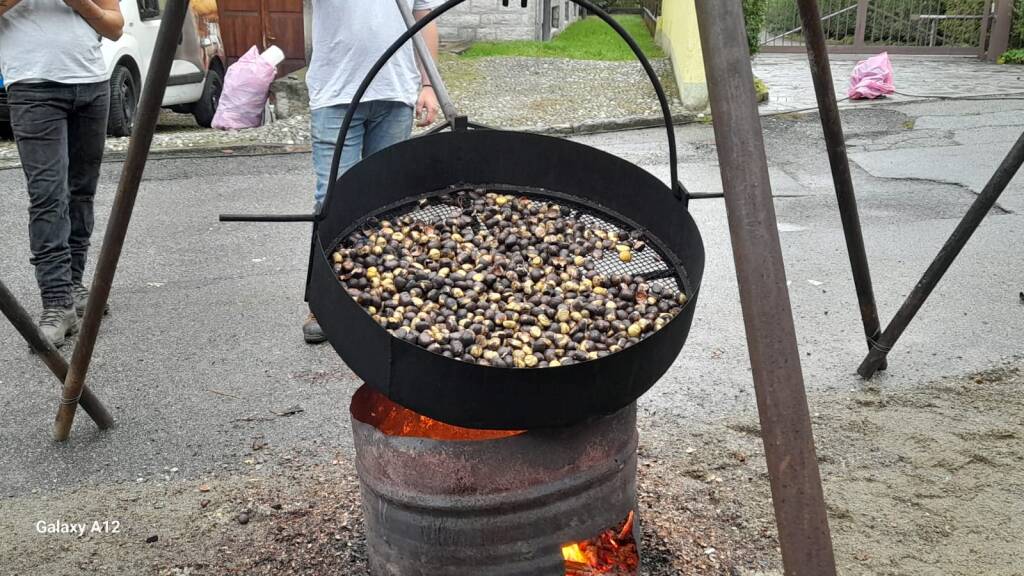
[{"x": 679, "y": 35}]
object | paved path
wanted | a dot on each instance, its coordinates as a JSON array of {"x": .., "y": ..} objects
[
  {"x": 203, "y": 341},
  {"x": 788, "y": 77}
]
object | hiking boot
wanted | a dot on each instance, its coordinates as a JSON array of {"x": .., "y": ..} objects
[
  {"x": 81, "y": 295},
  {"x": 312, "y": 331},
  {"x": 57, "y": 324}
]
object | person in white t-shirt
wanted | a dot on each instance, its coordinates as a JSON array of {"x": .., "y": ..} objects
[
  {"x": 349, "y": 36},
  {"x": 57, "y": 87}
]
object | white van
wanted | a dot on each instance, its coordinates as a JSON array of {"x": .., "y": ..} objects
[{"x": 197, "y": 75}]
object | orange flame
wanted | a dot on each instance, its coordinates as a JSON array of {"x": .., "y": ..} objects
[
  {"x": 573, "y": 553},
  {"x": 373, "y": 408},
  {"x": 613, "y": 552}
]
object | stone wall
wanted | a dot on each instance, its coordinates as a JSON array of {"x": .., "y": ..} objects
[{"x": 488, "y": 20}]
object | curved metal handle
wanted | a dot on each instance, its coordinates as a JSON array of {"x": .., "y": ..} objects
[{"x": 677, "y": 188}]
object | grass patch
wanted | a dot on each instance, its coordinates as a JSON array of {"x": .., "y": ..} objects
[
  {"x": 587, "y": 39},
  {"x": 1012, "y": 57}
]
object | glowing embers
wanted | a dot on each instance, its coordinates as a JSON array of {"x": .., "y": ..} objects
[
  {"x": 377, "y": 410},
  {"x": 613, "y": 553}
]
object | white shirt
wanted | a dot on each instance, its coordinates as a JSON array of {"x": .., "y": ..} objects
[
  {"x": 348, "y": 38},
  {"x": 47, "y": 40}
]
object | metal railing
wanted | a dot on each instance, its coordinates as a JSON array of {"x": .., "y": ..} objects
[
  {"x": 652, "y": 11},
  {"x": 916, "y": 26}
]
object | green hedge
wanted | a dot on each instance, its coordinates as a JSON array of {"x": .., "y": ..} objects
[
  {"x": 962, "y": 32},
  {"x": 1017, "y": 32},
  {"x": 755, "y": 12},
  {"x": 1012, "y": 57}
]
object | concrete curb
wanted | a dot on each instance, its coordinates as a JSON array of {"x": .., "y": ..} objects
[
  {"x": 610, "y": 125},
  {"x": 260, "y": 149}
]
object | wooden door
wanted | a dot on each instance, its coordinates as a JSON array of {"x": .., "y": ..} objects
[
  {"x": 262, "y": 23},
  {"x": 283, "y": 26}
]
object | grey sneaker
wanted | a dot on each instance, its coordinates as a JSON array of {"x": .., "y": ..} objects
[
  {"x": 57, "y": 324},
  {"x": 81, "y": 296},
  {"x": 312, "y": 331}
]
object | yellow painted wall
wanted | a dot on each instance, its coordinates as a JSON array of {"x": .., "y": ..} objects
[{"x": 679, "y": 36}]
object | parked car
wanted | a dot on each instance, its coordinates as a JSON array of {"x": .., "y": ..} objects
[{"x": 197, "y": 75}]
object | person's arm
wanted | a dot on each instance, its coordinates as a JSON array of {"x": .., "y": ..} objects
[
  {"x": 6, "y": 5},
  {"x": 427, "y": 105},
  {"x": 103, "y": 15}
]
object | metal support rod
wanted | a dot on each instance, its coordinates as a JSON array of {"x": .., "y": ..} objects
[
  {"x": 429, "y": 66},
  {"x": 764, "y": 297},
  {"x": 545, "y": 20},
  {"x": 986, "y": 18},
  {"x": 268, "y": 217},
  {"x": 148, "y": 113},
  {"x": 1000, "y": 40},
  {"x": 862, "y": 24},
  {"x": 22, "y": 322},
  {"x": 947, "y": 255},
  {"x": 835, "y": 143}
]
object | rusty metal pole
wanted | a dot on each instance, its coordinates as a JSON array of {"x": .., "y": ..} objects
[
  {"x": 835, "y": 143},
  {"x": 945, "y": 258},
  {"x": 771, "y": 337},
  {"x": 429, "y": 66},
  {"x": 121, "y": 212},
  {"x": 23, "y": 323}
]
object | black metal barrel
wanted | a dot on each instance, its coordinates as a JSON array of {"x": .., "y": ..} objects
[{"x": 501, "y": 507}]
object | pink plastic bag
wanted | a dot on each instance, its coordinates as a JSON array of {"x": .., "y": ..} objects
[
  {"x": 245, "y": 92},
  {"x": 872, "y": 78}
]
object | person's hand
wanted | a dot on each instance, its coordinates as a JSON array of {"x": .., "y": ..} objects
[{"x": 426, "y": 107}]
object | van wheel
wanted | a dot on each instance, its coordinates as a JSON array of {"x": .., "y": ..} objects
[
  {"x": 207, "y": 105},
  {"x": 124, "y": 100}
]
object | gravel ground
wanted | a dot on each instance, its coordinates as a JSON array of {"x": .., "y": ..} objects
[
  {"x": 540, "y": 94},
  {"x": 545, "y": 93},
  {"x": 924, "y": 482}
]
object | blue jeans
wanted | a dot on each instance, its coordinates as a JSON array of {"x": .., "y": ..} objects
[
  {"x": 60, "y": 130},
  {"x": 376, "y": 125}
]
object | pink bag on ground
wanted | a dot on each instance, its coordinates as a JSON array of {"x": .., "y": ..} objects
[
  {"x": 872, "y": 78},
  {"x": 245, "y": 92}
]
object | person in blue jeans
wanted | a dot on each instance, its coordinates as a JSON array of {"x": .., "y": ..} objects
[
  {"x": 59, "y": 98},
  {"x": 348, "y": 38}
]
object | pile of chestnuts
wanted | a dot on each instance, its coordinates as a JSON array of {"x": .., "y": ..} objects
[{"x": 504, "y": 280}]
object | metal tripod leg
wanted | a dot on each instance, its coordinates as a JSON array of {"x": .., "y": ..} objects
[
  {"x": 121, "y": 212},
  {"x": 832, "y": 125},
  {"x": 771, "y": 336},
  {"x": 947, "y": 255},
  {"x": 22, "y": 322}
]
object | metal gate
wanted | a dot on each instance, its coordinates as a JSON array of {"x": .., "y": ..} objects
[
  {"x": 898, "y": 26},
  {"x": 652, "y": 11}
]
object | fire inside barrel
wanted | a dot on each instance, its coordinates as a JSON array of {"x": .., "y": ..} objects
[
  {"x": 612, "y": 553},
  {"x": 476, "y": 499},
  {"x": 395, "y": 420}
]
